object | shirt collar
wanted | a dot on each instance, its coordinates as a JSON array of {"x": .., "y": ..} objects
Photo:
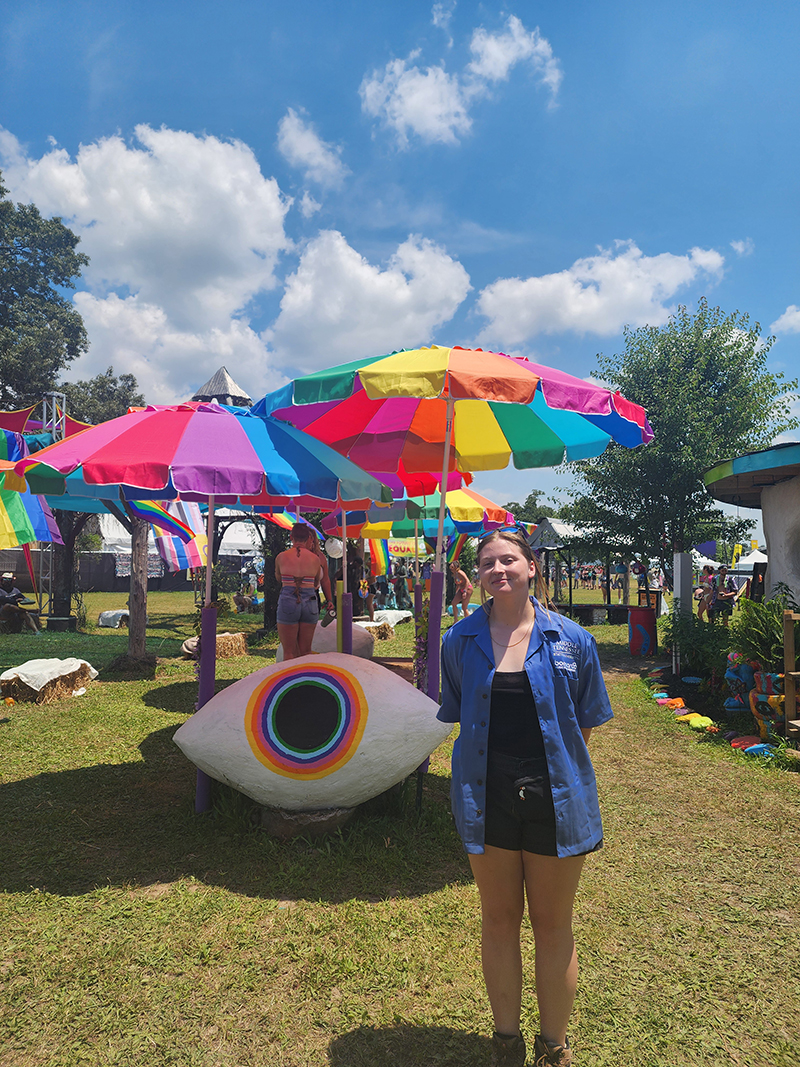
[{"x": 545, "y": 625}]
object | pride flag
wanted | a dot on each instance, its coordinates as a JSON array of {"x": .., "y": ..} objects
[
  {"x": 454, "y": 547},
  {"x": 179, "y": 531},
  {"x": 24, "y": 518},
  {"x": 286, "y": 521},
  {"x": 168, "y": 518},
  {"x": 180, "y": 555},
  {"x": 378, "y": 558}
]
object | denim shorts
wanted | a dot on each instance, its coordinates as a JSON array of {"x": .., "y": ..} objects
[
  {"x": 291, "y": 611},
  {"x": 520, "y": 814}
]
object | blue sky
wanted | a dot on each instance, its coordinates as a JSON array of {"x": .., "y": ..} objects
[{"x": 282, "y": 187}]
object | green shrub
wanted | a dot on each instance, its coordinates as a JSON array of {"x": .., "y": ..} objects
[
  {"x": 703, "y": 646},
  {"x": 757, "y": 630}
]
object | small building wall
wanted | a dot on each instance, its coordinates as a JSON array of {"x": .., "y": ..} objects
[{"x": 780, "y": 508}]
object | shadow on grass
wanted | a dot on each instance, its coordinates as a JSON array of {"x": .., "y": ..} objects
[
  {"x": 180, "y": 698},
  {"x": 408, "y": 1046},
  {"x": 130, "y": 824}
]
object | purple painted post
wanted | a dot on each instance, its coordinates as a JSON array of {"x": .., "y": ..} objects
[
  {"x": 347, "y": 624},
  {"x": 435, "y": 633},
  {"x": 205, "y": 691}
]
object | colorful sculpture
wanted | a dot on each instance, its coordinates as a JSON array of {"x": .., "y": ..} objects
[{"x": 314, "y": 733}]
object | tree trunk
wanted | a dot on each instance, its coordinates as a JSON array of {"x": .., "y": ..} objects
[{"x": 137, "y": 605}]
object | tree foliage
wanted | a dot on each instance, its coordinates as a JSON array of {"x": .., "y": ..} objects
[
  {"x": 704, "y": 382},
  {"x": 103, "y": 397},
  {"x": 40, "y": 330},
  {"x": 531, "y": 510}
]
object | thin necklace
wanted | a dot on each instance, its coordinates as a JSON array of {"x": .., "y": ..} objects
[{"x": 513, "y": 642}]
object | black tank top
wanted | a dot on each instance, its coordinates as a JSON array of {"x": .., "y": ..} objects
[{"x": 514, "y": 726}]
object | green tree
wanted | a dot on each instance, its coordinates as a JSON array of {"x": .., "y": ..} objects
[
  {"x": 103, "y": 397},
  {"x": 531, "y": 510},
  {"x": 40, "y": 330},
  {"x": 704, "y": 382}
]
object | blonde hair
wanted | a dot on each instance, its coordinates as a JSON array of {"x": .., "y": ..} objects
[{"x": 540, "y": 589}]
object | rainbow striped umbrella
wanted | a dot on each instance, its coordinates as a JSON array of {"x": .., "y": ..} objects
[
  {"x": 381, "y": 412},
  {"x": 466, "y": 511},
  {"x": 200, "y": 451},
  {"x": 456, "y": 409}
]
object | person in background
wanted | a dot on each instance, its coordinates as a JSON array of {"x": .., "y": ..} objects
[
  {"x": 300, "y": 573},
  {"x": 13, "y": 618},
  {"x": 620, "y": 581},
  {"x": 463, "y": 591},
  {"x": 525, "y": 685},
  {"x": 723, "y": 596},
  {"x": 705, "y": 587}
]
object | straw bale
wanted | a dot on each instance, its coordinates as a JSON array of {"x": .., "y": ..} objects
[
  {"x": 380, "y": 631},
  {"x": 57, "y": 689},
  {"x": 231, "y": 645}
]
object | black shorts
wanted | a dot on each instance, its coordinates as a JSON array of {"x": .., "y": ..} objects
[{"x": 515, "y": 823}]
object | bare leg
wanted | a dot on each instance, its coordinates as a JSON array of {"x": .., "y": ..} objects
[
  {"x": 551, "y": 884},
  {"x": 499, "y": 876},
  {"x": 305, "y": 637},
  {"x": 287, "y": 635},
  {"x": 454, "y": 606}
]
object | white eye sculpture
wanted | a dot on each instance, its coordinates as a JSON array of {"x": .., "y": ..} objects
[{"x": 317, "y": 732}]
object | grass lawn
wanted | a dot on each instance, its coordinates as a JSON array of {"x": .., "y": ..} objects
[{"x": 135, "y": 933}]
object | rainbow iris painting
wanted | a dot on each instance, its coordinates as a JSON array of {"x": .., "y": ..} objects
[{"x": 306, "y": 721}]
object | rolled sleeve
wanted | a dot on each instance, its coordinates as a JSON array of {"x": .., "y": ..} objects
[{"x": 593, "y": 707}]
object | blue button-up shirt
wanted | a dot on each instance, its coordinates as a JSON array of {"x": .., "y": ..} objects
[{"x": 570, "y": 695}]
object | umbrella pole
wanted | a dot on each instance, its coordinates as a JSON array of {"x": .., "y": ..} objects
[
  {"x": 437, "y": 578},
  {"x": 448, "y": 443},
  {"x": 416, "y": 552},
  {"x": 208, "y": 660},
  {"x": 347, "y": 598}
]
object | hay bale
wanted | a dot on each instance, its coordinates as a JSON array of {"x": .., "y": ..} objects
[
  {"x": 380, "y": 631},
  {"x": 41, "y": 681},
  {"x": 229, "y": 645}
]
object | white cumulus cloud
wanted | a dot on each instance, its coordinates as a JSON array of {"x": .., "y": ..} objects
[
  {"x": 339, "y": 306},
  {"x": 441, "y": 15},
  {"x": 788, "y": 322},
  {"x": 745, "y": 247},
  {"x": 169, "y": 363},
  {"x": 496, "y": 53},
  {"x": 182, "y": 232},
  {"x": 598, "y": 294},
  {"x": 430, "y": 103},
  {"x": 309, "y": 206},
  {"x": 433, "y": 104},
  {"x": 303, "y": 148}
]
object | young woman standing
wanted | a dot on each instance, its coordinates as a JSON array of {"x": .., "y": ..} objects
[
  {"x": 525, "y": 685},
  {"x": 301, "y": 573}
]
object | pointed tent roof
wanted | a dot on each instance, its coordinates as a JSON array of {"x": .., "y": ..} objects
[{"x": 222, "y": 388}]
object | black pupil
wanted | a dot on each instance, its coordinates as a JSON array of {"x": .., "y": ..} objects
[{"x": 307, "y": 717}]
